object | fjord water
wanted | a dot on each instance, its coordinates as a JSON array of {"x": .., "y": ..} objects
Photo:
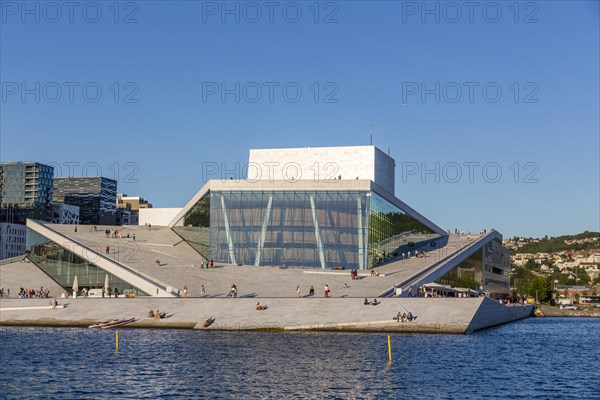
[{"x": 537, "y": 358}]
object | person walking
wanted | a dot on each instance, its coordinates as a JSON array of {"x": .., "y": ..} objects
[
  {"x": 185, "y": 291},
  {"x": 212, "y": 264},
  {"x": 326, "y": 289},
  {"x": 298, "y": 291},
  {"x": 202, "y": 291},
  {"x": 107, "y": 249},
  {"x": 133, "y": 236},
  {"x": 311, "y": 291}
]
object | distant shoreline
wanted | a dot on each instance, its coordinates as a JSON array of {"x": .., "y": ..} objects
[{"x": 587, "y": 312}]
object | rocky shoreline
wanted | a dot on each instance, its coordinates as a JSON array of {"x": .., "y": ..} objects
[{"x": 586, "y": 312}]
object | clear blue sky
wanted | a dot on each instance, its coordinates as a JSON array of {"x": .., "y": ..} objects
[{"x": 372, "y": 57}]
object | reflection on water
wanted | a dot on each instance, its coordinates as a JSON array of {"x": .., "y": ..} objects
[{"x": 534, "y": 358}]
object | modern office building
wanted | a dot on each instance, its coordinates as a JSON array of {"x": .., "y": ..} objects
[
  {"x": 12, "y": 240},
  {"x": 25, "y": 192},
  {"x": 128, "y": 209},
  {"x": 95, "y": 196}
]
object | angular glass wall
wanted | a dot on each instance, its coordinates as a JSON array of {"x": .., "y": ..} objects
[
  {"x": 487, "y": 269},
  {"x": 322, "y": 229},
  {"x": 392, "y": 231},
  {"x": 467, "y": 275},
  {"x": 194, "y": 226},
  {"x": 62, "y": 266}
]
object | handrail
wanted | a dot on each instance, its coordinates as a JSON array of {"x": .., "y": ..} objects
[{"x": 12, "y": 260}]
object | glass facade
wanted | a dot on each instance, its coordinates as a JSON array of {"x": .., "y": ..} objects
[
  {"x": 95, "y": 196},
  {"x": 25, "y": 192},
  {"x": 301, "y": 228},
  {"x": 392, "y": 231},
  {"x": 487, "y": 269},
  {"x": 468, "y": 274},
  {"x": 62, "y": 265},
  {"x": 194, "y": 226},
  {"x": 289, "y": 228}
]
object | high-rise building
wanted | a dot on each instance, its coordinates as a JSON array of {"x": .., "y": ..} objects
[
  {"x": 25, "y": 192},
  {"x": 96, "y": 197}
]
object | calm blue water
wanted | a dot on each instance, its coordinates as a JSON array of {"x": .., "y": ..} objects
[{"x": 532, "y": 359}]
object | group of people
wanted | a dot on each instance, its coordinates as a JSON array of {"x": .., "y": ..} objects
[
  {"x": 30, "y": 293},
  {"x": 462, "y": 233},
  {"x": 395, "y": 255},
  {"x": 374, "y": 272},
  {"x": 259, "y": 307},
  {"x": 374, "y": 302},
  {"x": 114, "y": 292},
  {"x": 404, "y": 317},
  {"x": 118, "y": 234},
  {"x": 53, "y": 303},
  {"x": 156, "y": 315},
  {"x": 2, "y": 292},
  {"x": 354, "y": 274},
  {"x": 207, "y": 263}
]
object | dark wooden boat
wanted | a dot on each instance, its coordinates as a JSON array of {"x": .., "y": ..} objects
[{"x": 113, "y": 323}]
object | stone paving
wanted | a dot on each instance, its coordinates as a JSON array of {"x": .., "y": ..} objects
[
  {"x": 180, "y": 266},
  {"x": 16, "y": 275}
]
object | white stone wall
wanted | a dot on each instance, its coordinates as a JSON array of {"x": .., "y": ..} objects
[
  {"x": 322, "y": 163},
  {"x": 157, "y": 216}
]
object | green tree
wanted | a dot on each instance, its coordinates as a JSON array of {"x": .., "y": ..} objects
[
  {"x": 541, "y": 287},
  {"x": 521, "y": 278},
  {"x": 531, "y": 265}
]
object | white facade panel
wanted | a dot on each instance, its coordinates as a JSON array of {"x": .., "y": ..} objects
[
  {"x": 322, "y": 164},
  {"x": 157, "y": 216}
]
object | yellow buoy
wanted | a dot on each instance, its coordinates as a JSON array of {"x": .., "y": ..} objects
[
  {"x": 116, "y": 340},
  {"x": 389, "y": 349}
]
